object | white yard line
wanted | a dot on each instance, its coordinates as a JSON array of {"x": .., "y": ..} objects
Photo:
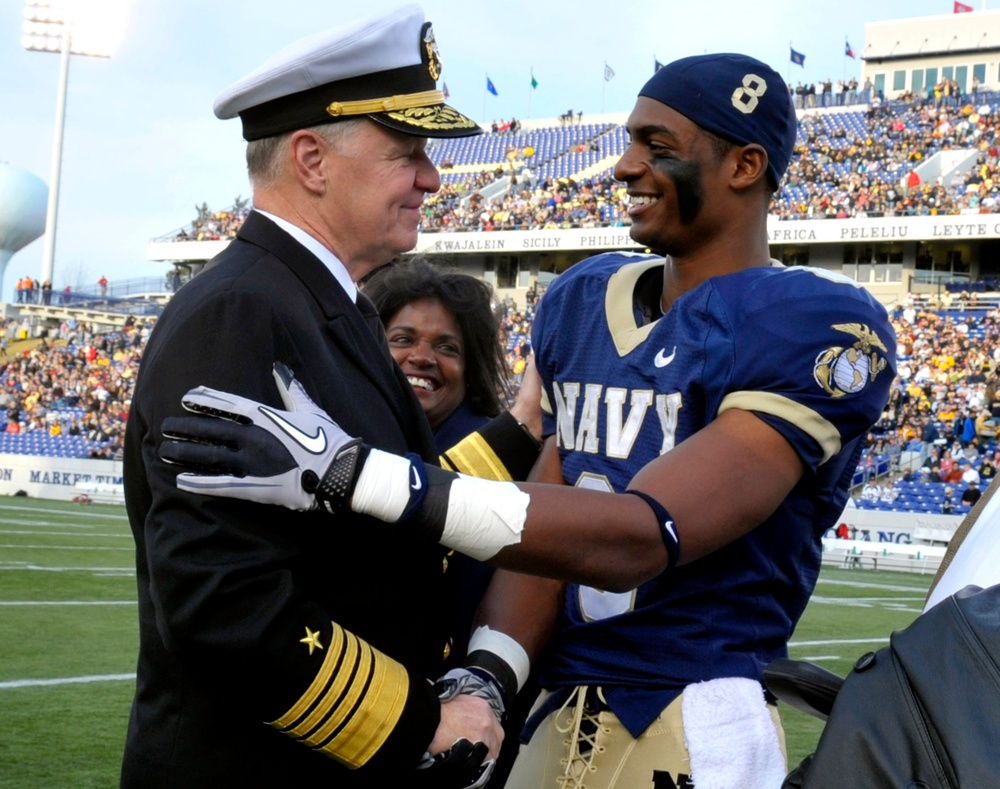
[
  {"x": 36, "y": 533},
  {"x": 129, "y": 548},
  {"x": 35, "y": 683},
  {"x": 74, "y": 513},
  {"x": 65, "y": 602}
]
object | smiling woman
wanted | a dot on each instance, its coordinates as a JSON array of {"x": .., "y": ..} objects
[{"x": 443, "y": 333}]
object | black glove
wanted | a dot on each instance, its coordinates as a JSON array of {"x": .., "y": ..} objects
[
  {"x": 463, "y": 766},
  {"x": 298, "y": 458}
]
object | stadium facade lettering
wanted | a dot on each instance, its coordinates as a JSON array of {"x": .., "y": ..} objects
[
  {"x": 469, "y": 245},
  {"x": 543, "y": 243},
  {"x": 604, "y": 240},
  {"x": 6, "y": 474},
  {"x": 873, "y": 233},
  {"x": 46, "y": 477},
  {"x": 965, "y": 231},
  {"x": 786, "y": 235}
]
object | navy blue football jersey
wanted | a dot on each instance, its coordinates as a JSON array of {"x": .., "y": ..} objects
[{"x": 808, "y": 351}]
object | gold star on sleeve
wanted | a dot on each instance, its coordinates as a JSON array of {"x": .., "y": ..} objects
[{"x": 312, "y": 639}]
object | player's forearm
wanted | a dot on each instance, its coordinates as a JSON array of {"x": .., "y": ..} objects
[
  {"x": 524, "y": 607},
  {"x": 600, "y": 539}
]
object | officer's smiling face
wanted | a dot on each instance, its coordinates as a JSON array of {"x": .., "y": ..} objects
[{"x": 378, "y": 192}]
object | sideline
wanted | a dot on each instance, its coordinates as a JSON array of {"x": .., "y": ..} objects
[
  {"x": 16, "y": 603},
  {"x": 34, "y": 683}
]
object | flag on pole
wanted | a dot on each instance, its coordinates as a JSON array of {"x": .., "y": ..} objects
[
  {"x": 847, "y": 49},
  {"x": 608, "y": 72},
  {"x": 447, "y": 94},
  {"x": 798, "y": 58},
  {"x": 534, "y": 82},
  {"x": 490, "y": 86},
  {"x": 962, "y": 8},
  {"x": 657, "y": 65}
]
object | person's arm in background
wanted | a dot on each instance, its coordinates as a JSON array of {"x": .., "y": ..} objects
[
  {"x": 506, "y": 447},
  {"x": 521, "y": 607}
]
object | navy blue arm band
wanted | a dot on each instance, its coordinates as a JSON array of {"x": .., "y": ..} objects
[{"x": 668, "y": 531}]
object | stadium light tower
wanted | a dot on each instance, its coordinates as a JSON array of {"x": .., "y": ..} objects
[{"x": 69, "y": 27}]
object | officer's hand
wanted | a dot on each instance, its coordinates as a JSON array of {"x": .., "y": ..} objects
[
  {"x": 297, "y": 458},
  {"x": 464, "y": 749}
]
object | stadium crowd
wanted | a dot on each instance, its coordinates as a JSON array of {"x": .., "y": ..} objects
[
  {"x": 940, "y": 425},
  {"x": 949, "y": 358},
  {"x": 846, "y": 164},
  {"x": 77, "y": 384}
]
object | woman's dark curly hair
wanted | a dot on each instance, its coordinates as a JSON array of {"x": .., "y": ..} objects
[{"x": 470, "y": 301}]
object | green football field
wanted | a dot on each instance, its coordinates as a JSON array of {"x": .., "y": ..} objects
[{"x": 68, "y": 639}]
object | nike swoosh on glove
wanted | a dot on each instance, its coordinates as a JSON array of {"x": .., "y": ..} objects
[{"x": 297, "y": 458}]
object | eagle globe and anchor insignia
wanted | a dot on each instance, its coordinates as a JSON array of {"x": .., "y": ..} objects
[{"x": 844, "y": 370}]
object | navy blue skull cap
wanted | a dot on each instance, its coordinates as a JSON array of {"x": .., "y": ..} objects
[{"x": 735, "y": 97}]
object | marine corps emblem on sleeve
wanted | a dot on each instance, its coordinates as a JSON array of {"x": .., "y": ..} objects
[{"x": 844, "y": 370}]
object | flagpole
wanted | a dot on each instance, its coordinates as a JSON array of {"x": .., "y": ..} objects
[
  {"x": 531, "y": 89},
  {"x": 604, "y": 85},
  {"x": 484, "y": 97}
]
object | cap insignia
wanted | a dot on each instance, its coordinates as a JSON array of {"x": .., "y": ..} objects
[{"x": 432, "y": 53}]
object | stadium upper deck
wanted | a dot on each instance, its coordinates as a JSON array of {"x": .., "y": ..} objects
[{"x": 912, "y": 186}]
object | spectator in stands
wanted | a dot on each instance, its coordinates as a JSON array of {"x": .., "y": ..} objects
[
  {"x": 871, "y": 492},
  {"x": 103, "y": 284},
  {"x": 987, "y": 469},
  {"x": 970, "y": 473},
  {"x": 971, "y": 494},
  {"x": 947, "y": 501},
  {"x": 889, "y": 493}
]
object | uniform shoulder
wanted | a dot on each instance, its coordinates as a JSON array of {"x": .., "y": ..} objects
[{"x": 600, "y": 267}]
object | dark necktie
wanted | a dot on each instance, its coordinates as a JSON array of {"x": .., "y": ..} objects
[{"x": 371, "y": 317}]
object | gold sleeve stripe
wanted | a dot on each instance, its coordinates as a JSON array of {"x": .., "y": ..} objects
[
  {"x": 352, "y": 705},
  {"x": 475, "y": 457},
  {"x": 821, "y": 430}
]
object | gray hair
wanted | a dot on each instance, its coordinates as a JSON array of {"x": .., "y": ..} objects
[{"x": 265, "y": 163}]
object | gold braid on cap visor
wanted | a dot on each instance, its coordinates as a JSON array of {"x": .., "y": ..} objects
[{"x": 387, "y": 104}]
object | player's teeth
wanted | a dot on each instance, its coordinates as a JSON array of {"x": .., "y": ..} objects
[{"x": 423, "y": 383}]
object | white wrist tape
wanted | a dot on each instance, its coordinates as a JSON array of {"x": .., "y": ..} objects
[
  {"x": 383, "y": 486},
  {"x": 505, "y": 648},
  {"x": 483, "y": 516}
]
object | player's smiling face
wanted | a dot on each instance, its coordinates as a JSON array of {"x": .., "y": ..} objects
[
  {"x": 671, "y": 170},
  {"x": 426, "y": 342}
]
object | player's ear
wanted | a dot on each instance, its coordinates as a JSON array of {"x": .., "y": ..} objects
[{"x": 749, "y": 164}]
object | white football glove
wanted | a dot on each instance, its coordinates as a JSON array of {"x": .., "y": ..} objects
[{"x": 297, "y": 458}]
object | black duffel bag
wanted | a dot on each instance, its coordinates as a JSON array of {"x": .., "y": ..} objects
[{"x": 922, "y": 713}]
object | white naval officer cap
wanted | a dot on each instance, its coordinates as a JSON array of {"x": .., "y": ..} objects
[{"x": 384, "y": 67}]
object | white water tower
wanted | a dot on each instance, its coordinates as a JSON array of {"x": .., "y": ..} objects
[{"x": 23, "y": 199}]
